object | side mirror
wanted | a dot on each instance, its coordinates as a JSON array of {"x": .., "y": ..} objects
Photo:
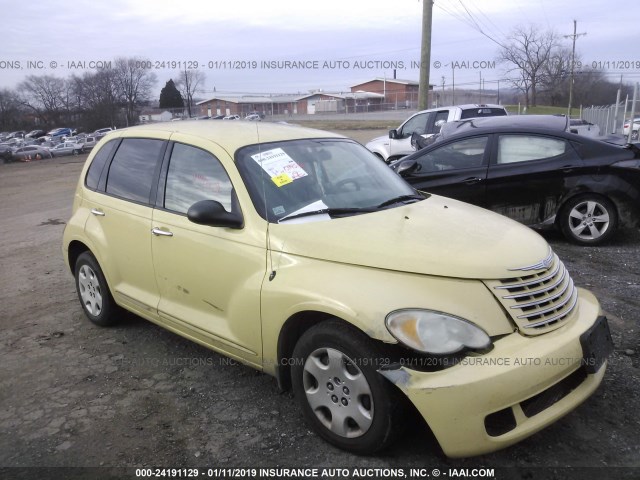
[
  {"x": 393, "y": 134},
  {"x": 406, "y": 167},
  {"x": 213, "y": 214}
]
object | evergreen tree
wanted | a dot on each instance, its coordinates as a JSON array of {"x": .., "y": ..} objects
[{"x": 170, "y": 97}]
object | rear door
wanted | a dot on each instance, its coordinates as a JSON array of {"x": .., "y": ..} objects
[
  {"x": 120, "y": 184},
  {"x": 529, "y": 174}
]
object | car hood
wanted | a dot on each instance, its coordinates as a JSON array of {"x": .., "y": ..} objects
[
  {"x": 437, "y": 236},
  {"x": 377, "y": 140}
]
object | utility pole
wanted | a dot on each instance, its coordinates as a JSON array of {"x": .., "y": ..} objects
[
  {"x": 573, "y": 54},
  {"x": 425, "y": 54}
]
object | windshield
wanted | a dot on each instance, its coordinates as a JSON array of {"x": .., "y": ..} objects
[{"x": 285, "y": 178}]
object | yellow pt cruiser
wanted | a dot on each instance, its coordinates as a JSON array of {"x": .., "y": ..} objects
[{"x": 301, "y": 254}]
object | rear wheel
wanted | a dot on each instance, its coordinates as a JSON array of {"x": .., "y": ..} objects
[
  {"x": 588, "y": 219},
  {"x": 342, "y": 396},
  {"x": 93, "y": 291}
]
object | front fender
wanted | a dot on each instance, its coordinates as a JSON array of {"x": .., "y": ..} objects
[{"x": 364, "y": 296}]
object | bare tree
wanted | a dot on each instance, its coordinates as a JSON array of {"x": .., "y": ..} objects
[
  {"x": 45, "y": 96},
  {"x": 527, "y": 52},
  {"x": 98, "y": 98},
  {"x": 10, "y": 110},
  {"x": 134, "y": 80},
  {"x": 555, "y": 76},
  {"x": 188, "y": 83}
]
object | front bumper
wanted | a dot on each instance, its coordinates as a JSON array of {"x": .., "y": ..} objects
[{"x": 488, "y": 402}]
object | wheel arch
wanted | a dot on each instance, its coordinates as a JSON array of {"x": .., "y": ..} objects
[
  {"x": 583, "y": 193},
  {"x": 291, "y": 331},
  {"x": 76, "y": 248}
]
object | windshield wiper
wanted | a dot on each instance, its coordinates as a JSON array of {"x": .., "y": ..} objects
[
  {"x": 332, "y": 212},
  {"x": 401, "y": 198}
]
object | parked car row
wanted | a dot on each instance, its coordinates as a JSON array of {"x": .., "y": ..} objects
[{"x": 58, "y": 142}]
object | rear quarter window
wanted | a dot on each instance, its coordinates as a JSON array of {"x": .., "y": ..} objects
[
  {"x": 132, "y": 170},
  {"x": 98, "y": 163}
]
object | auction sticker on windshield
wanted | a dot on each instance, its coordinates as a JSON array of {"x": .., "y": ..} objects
[{"x": 281, "y": 168}]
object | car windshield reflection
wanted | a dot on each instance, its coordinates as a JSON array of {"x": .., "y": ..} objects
[{"x": 318, "y": 178}]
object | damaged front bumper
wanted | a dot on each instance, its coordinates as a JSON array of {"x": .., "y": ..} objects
[{"x": 485, "y": 403}]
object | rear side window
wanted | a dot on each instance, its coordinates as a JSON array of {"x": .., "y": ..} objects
[
  {"x": 482, "y": 112},
  {"x": 523, "y": 148},
  {"x": 195, "y": 175},
  {"x": 132, "y": 170},
  {"x": 95, "y": 170}
]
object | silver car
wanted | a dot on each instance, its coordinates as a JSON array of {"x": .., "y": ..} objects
[{"x": 66, "y": 148}]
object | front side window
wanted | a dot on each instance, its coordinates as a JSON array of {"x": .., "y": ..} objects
[
  {"x": 284, "y": 178},
  {"x": 416, "y": 124},
  {"x": 195, "y": 175},
  {"x": 467, "y": 153},
  {"x": 132, "y": 170},
  {"x": 439, "y": 120},
  {"x": 523, "y": 148}
]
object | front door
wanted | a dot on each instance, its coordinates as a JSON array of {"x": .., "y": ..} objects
[
  {"x": 210, "y": 278},
  {"x": 457, "y": 169}
]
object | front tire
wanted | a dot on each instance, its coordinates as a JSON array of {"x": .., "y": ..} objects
[
  {"x": 342, "y": 396},
  {"x": 588, "y": 219},
  {"x": 96, "y": 300}
]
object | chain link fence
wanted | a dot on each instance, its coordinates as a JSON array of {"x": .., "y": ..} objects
[{"x": 610, "y": 118}]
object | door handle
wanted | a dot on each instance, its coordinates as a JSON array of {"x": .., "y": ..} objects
[
  {"x": 568, "y": 168},
  {"x": 161, "y": 233},
  {"x": 97, "y": 212},
  {"x": 472, "y": 180}
]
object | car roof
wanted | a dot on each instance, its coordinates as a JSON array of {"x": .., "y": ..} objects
[
  {"x": 231, "y": 136},
  {"x": 466, "y": 106},
  {"x": 556, "y": 123}
]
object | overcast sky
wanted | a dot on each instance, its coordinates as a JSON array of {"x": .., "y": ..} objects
[{"x": 358, "y": 39}]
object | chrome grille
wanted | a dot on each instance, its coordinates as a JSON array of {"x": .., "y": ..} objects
[{"x": 538, "y": 302}]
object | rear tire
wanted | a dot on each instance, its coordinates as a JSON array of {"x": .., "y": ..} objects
[
  {"x": 588, "y": 219},
  {"x": 96, "y": 300},
  {"x": 342, "y": 396}
]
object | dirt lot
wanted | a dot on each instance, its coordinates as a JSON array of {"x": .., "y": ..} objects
[{"x": 73, "y": 394}]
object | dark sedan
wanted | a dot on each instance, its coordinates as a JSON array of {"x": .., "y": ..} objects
[{"x": 531, "y": 170}]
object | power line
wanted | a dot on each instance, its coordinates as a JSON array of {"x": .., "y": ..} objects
[{"x": 469, "y": 20}]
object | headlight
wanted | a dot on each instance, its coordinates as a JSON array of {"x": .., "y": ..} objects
[{"x": 435, "y": 332}]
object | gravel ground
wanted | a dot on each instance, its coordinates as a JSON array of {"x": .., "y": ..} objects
[{"x": 76, "y": 395}]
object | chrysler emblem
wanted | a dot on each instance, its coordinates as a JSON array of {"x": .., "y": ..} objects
[{"x": 543, "y": 264}]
